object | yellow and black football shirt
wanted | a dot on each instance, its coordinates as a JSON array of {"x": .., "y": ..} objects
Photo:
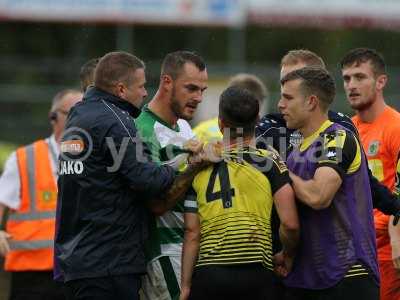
[{"x": 233, "y": 199}]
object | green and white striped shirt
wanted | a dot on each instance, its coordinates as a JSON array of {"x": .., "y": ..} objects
[{"x": 166, "y": 231}]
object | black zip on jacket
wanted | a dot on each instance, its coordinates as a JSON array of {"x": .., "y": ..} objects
[{"x": 105, "y": 179}]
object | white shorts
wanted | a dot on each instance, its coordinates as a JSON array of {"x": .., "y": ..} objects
[{"x": 163, "y": 279}]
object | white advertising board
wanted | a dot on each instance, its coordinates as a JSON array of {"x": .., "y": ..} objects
[{"x": 175, "y": 12}]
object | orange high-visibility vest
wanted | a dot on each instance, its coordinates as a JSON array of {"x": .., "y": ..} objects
[{"x": 32, "y": 225}]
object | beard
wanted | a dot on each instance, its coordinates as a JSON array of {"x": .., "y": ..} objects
[
  {"x": 177, "y": 108},
  {"x": 363, "y": 105}
]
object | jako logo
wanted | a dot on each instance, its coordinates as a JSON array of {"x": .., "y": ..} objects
[{"x": 70, "y": 167}]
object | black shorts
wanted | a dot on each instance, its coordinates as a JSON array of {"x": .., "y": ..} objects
[
  {"x": 351, "y": 288},
  {"x": 245, "y": 281},
  {"x": 35, "y": 285},
  {"x": 117, "y": 287}
]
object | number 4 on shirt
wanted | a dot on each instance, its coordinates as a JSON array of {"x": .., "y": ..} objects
[{"x": 226, "y": 193}]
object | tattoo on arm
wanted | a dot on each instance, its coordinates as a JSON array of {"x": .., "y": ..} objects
[{"x": 177, "y": 191}]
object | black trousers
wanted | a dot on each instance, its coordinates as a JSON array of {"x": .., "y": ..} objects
[
  {"x": 38, "y": 285},
  {"x": 351, "y": 288},
  {"x": 122, "y": 287},
  {"x": 247, "y": 281}
]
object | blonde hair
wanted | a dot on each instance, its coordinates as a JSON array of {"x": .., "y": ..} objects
[
  {"x": 251, "y": 83},
  {"x": 309, "y": 58}
]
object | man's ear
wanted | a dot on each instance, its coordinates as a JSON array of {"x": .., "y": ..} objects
[
  {"x": 312, "y": 102},
  {"x": 381, "y": 81},
  {"x": 221, "y": 125},
  {"x": 120, "y": 89},
  {"x": 53, "y": 116},
  {"x": 166, "y": 82}
]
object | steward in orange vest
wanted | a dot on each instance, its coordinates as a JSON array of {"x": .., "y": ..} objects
[
  {"x": 28, "y": 191},
  {"x": 32, "y": 225}
]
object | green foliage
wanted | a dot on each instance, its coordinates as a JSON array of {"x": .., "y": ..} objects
[
  {"x": 5, "y": 151},
  {"x": 39, "y": 59}
]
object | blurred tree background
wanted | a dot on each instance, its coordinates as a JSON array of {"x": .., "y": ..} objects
[
  {"x": 42, "y": 48},
  {"x": 38, "y": 59}
]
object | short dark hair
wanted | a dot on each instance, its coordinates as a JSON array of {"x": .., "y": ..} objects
[
  {"x": 86, "y": 74},
  {"x": 251, "y": 83},
  {"x": 309, "y": 58},
  {"x": 116, "y": 67},
  {"x": 314, "y": 81},
  {"x": 362, "y": 55},
  {"x": 239, "y": 108},
  {"x": 173, "y": 62}
]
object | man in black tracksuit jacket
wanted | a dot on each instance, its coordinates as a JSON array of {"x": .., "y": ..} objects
[{"x": 106, "y": 182}]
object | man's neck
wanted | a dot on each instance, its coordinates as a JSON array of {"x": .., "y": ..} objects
[
  {"x": 313, "y": 124},
  {"x": 160, "y": 108},
  {"x": 57, "y": 137},
  {"x": 240, "y": 142},
  {"x": 370, "y": 114}
]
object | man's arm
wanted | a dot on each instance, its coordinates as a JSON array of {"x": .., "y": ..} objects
[
  {"x": 198, "y": 160},
  {"x": 126, "y": 154},
  {"x": 340, "y": 155},
  {"x": 177, "y": 191},
  {"x": 4, "y": 236},
  {"x": 285, "y": 205},
  {"x": 383, "y": 199},
  {"x": 190, "y": 252},
  {"x": 289, "y": 230},
  {"x": 319, "y": 191},
  {"x": 394, "y": 231},
  {"x": 397, "y": 184},
  {"x": 10, "y": 197}
]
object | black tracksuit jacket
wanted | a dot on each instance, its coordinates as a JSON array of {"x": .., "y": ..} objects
[{"x": 105, "y": 180}]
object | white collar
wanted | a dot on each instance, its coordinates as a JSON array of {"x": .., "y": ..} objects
[{"x": 54, "y": 147}]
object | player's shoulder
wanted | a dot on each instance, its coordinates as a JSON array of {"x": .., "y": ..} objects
[
  {"x": 184, "y": 125},
  {"x": 394, "y": 116},
  {"x": 206, "y": 124},
  {"x": 267, "y": 157},
  {"x": 270, "y": 126},
  {"x": 337, "y": 115},
  {"x": 207, "y": 130},
  {"x": 271, "y": 120},
  {"x": 337, "y": 137},
  {"x": 343, "y": 120},
  {"x": 145, "y": 121}
]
